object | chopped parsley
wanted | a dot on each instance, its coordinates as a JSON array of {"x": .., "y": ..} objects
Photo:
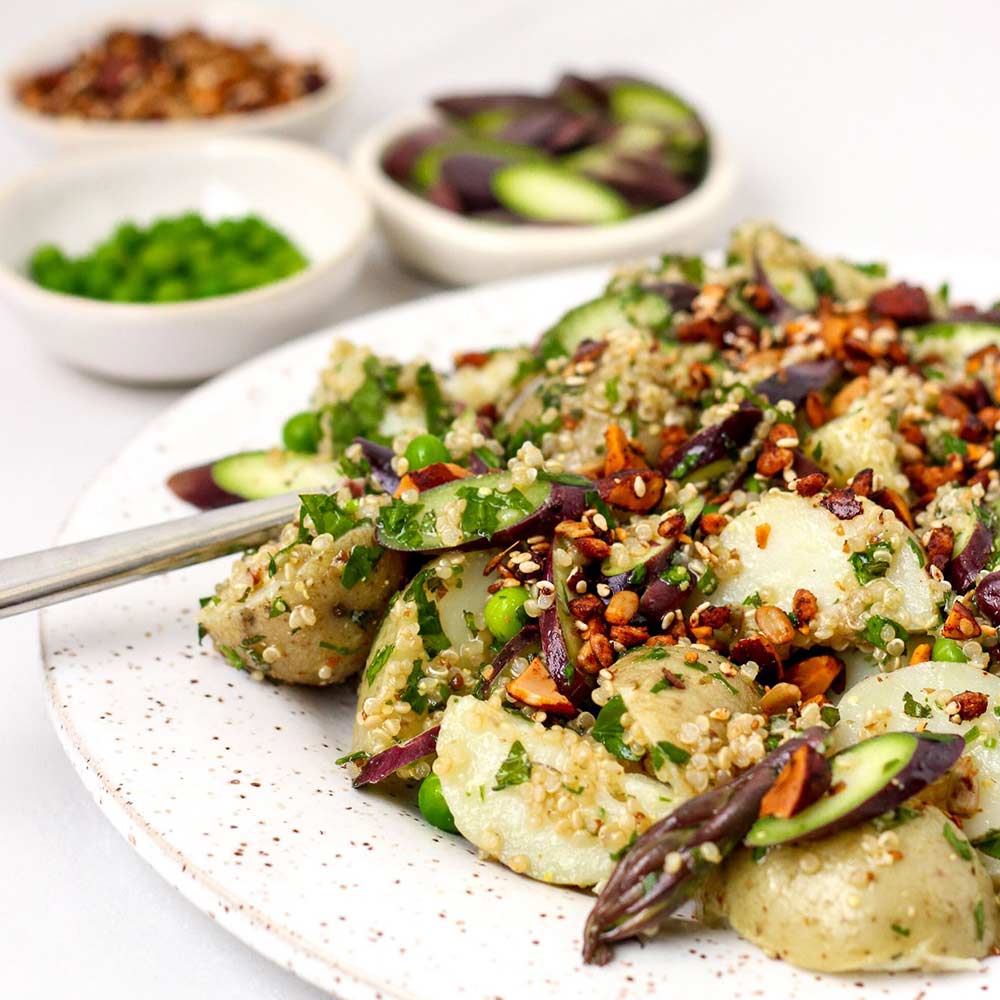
[
  {"x": 328, "y": 517},
  {"x": 378, "y": 661},
  {"x": 893, "y": 818},
  {"x": 412, "y": 695},
  {"x": 484, "y": 515},
  {"x": 515, "y": 770},
  {"x": 232, "y": 657},
  {"x": 915, "y": 709},
  {"x": 437, "y": 411},
  {"x": 821, "y": 281},
  {"x": 917, "y": 550},
  {"x": 622, "y": 851},
  {"x": 361, "y": 415},
  {"x": 204, "y": 602},
  {"x": 341, "y": 650},
  {"x": 980, "y": 916},
  {"x": 722, "y": 680},
  {"x": 873, "y": 630},
  {"x": 958, "y": 844},
  {"x": 666, "y": 751},
  {"x": 989, "y": 844},
  {"x": 360, "y": 564},
  {"x": 608, "y": 729},
  {"x": 709, "y": 582},
  {"x": 279, "y": 606},
  {"x": 429, "y": 621},
  {"x": 350, "y": 758},
  {"x": 405, "y": 523},
  {"x": 872, "y": 562},
  {"x": 752, "y": 600},
  {"x": 830, "y": 714},
  {"x": 900, "y": 930},
  {"x": 972, "y": 735}
]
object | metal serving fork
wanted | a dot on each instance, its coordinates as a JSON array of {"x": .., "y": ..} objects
[{"x": 37, "y": 579}]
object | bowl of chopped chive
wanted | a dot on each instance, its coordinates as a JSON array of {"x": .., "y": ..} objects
[{"x": 170, "y": 263}]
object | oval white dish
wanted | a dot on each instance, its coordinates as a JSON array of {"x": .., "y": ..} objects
[
  {"x": 228, "y": 787},
  {"x": 232, "y": 20},
  {"x": 78, "y": 199},
  {"x": 460, "y": 251}
]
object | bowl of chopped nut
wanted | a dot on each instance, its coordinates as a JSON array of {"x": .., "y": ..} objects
[{"x": 159, "y": 71}]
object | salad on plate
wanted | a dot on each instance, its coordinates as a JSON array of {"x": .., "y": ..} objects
[{"x": 693, "y": 600}]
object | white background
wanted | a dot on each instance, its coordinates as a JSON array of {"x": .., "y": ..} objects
[{"x": 861, "y": 125}]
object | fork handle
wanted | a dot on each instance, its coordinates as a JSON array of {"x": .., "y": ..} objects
[{"x": 37, "y": 579}]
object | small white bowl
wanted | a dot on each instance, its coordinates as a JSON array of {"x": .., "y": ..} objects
[
  {"x": 460, "y": 251},
  {"x": 306, "y": 118},
  {"x": 77, "y": 200}
]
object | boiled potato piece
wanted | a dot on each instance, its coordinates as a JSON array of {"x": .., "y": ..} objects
[
  {"x": 786, "y": 542},
  {"x": 862, "y": 899},
  {"x": 660, "y": 715},
  {"x": 432, "y": 643},
  {"x": 916, "y": 697},
  {"x": 548, "y": 803},
  {"x": 862, "y": 438},
  {"x": 475, "y": 386},
  {"x": 286, "y": 611}
]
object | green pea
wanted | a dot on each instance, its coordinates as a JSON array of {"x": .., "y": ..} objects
[
  {"x": 949, "y": 651},
  {"x": 432, "y": 804},
  {"x": 172, "y": 290},
  {"x": 505, "y": 615},
  {"x": 424, "y": 450},
  {"x": 301, "y": 432}
]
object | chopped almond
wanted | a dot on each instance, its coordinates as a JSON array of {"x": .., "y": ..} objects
[
  {"x": 862, "y": 484},
  {"x": 940, "y": 545},
  {"x": 762, "y": 533},
  {"x": 619, "y": 452},
  {"x": 851, "y": 392},
  {"x": 586, "y": 607},
  {"x": 628, "y": 635},
  {"x": 891, "y": 500},
  {"x": 811, "y": 483},
  {"x": 779, "y": 699},
  {"x": 602, "y": 650},
  {"x": 534, "y": 686},
  {"x": 761, "y": 651},
  {"x": 800, "y": 782},
  {"x": 814, "y": 675},
  {"x": 921, "y": 653},
  {"x": 775, "y": 624},
  {"x": 671, "y": 525},
  {"x": 593, "y": 548},
  {"x": 713, "y": 523},
  {"x": 971, "y": 704}
]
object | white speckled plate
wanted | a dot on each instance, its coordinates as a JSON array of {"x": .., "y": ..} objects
[{"x": 228, "y": 788}]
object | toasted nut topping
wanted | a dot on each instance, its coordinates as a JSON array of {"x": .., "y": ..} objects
[
  {"x": 891, "y": 500},
  {"x": 713, "y": 523},
  {"x": 602, "y": 650},
  {"x": 762, "y": 533},
  {"x": 619, "y": 452},
  {"x": 535, "y": 687},
  {"x": 921, "y": 653},
  {"x": 971, "y": 704},
  {"x": 804, "y": 606},
  {"x": 814, "y": 675},
  {"x": 800, "y": 782},
  {"x": 714, "y": 616},
  {"x": 961, "y": 623},
  {"x": 629, "y": 635},
  {"x": 671, "y": 525},
  {"x": 940, "y": 544},
  {"x": 622, "y": 608},
  {"x": 863, "y": 483},
  {"x": 815, "y": 410},
  {"x": 775, "y": 624},
  {"x": 593, "y": 548},
  {"x": 780, "y": 698},
  {"x": 810, "y": 484},
  {"x": 761, "y": 650},
  {"x": 620, "y": 489},
  {"x": 843, "y": 504},
  {"x": 586, "y": 607}
]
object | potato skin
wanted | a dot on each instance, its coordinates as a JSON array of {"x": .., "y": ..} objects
[
  {"x": 244, "y": 621},
  {"x": 842, "y": 904}
]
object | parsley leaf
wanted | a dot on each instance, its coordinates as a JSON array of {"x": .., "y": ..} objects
[
  {"x": 378, "y": 661},
  {"x": 664, "y": 751},
  {"x": 913, "y": 708},
  {"x": 515, "y": 770},
  {"x": 360, "y": 564},
  {"x": 958, "y": 843},
  {"x": 327, "y": 516},
  {"x": 608, "y": 729}
]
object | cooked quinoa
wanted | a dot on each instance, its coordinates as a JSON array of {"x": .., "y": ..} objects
[{"x": 713, "y": 524}]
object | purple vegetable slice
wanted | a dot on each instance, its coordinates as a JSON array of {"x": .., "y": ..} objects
[
  {"x": 971, "y": 559},
  {"x": 561, "y": 639},
  {"x": 643, "y": 890},
  {"x": 642, "y": 179},
  {"x": 868, "y": 779},
  {"x": 380, "y": 458},
  {"x": 795, "y": 382},
  {"x": 470, "y": 176},
  {"x": 721, "y": 442},
  {"x": 488, "y": 517},
  {"x": 400, "y": 156},
  {"x": 523, "y": 644},
  {"x": 389, "y": 761},
  {"x": 254, "y": 475},
  {"x": 988, "y": 597}
]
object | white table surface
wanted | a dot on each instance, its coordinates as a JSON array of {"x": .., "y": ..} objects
[{"x": 860, "y": 125}]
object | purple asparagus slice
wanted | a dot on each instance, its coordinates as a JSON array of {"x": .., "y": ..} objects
[{"x": 389, "y": 761}]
